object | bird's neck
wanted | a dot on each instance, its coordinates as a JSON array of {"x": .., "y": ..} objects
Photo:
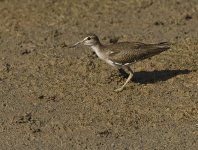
[{"x": 98, "y": 49}]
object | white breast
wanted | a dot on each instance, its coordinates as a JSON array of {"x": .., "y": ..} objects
[
  {"x": 98, "y": 52},
  {"x": 102, "y": 56}
]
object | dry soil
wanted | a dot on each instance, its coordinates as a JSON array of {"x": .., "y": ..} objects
[{"x": 52, "y": 97}]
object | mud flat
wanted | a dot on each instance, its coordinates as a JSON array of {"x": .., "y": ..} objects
[{"x": 52, "y": 97}]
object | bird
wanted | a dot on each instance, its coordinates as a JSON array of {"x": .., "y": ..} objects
[{"x": 122, "y": 54}]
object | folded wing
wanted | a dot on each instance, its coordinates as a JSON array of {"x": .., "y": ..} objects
[{"x": 126, "y": 53}]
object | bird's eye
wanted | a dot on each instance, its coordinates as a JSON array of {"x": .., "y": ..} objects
[{"x": 88, "y": 38}]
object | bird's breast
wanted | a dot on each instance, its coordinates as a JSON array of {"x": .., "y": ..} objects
[{"x": 99, "y": 53}]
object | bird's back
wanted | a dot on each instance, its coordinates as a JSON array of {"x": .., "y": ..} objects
[{"x": 129, "y": 52}]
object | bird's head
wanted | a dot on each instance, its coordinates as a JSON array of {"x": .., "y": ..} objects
[{"x": 90, "y": 40}]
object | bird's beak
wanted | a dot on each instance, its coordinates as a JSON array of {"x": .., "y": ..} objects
[{"x": 74, "y": 45}]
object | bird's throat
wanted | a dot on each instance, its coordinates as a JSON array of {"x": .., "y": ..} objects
[{"x": 98, "y": 50}]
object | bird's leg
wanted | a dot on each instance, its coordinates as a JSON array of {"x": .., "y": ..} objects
[{"x": 128, "y": 79}]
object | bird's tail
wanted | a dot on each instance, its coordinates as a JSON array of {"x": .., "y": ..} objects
[
  {"x": 154, "y": 49},
  {"x": 158, "y": 48},
  {"x": 163, "y": 45}
]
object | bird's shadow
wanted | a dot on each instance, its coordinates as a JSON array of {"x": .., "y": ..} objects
[{"x": 144, "y": 77}]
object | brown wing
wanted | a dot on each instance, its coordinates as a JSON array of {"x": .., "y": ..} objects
[{"x": 123, "y": 53}]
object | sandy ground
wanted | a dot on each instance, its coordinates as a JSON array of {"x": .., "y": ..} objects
[{"x": 52, "y": 97}]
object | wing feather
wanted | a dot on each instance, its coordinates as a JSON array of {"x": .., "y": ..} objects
[{"x": 126, "y": 53}]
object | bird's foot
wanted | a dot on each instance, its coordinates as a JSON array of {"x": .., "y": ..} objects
[{"x": 119, "y": 89}]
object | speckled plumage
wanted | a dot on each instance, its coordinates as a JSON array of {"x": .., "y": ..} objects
[{"x": 126, "y": 53}]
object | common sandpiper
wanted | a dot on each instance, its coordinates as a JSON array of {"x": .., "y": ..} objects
[{"x": 122, "y": 54}]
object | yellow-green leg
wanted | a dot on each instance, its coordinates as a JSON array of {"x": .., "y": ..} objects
[{"x": 128, "y": 79}]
